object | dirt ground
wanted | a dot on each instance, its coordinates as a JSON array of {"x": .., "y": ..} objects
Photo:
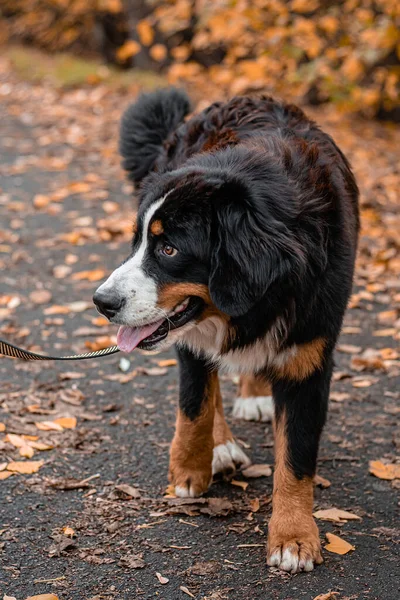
[{"x": 73, "y": 528}]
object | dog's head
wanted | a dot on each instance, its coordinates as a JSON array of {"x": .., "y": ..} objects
[{"x": 204, "y": 245}]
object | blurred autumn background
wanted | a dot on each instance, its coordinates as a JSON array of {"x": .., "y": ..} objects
[
  {"x": 316, "y": 51},
  {"x": 99, "y": 432}
]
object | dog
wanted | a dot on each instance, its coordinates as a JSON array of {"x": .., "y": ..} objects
[{"x": 242, "y": 257}]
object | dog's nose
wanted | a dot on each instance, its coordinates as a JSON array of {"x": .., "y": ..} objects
[{"x": 108, "y": 304}]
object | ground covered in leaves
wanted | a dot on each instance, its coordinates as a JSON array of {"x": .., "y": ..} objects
[{"x": 84, "y": 446}]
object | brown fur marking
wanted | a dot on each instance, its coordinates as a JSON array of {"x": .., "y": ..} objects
[
  {"x": 307, "y": 359},
  {"x": 192, "y": 447},
  {"x": 292, "y": 525},
  {"x": 250, "y": 386},
  {"x": 172, "y": 294},
  {"x": 157, "y": 227},
  {"x": 221, "y": 432}
]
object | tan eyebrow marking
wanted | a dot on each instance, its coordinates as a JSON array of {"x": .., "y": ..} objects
[{"x": 156, "y": 227}]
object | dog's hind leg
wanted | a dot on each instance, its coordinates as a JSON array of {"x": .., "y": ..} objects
[
  {"x": 227, "y": 454},
  {"x": 254, "y": 401}
]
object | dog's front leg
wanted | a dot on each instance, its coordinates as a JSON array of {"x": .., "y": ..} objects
[
  {"x": 190, "y": 469},
  {"x": 300, "y": 409}
]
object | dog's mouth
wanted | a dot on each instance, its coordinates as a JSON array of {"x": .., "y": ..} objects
[{"x": 148, "y": 336}]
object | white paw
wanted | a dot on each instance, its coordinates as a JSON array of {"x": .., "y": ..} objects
[
  {"x": 228, "y": 457},
  {"x": 254, "y": 408},
  {"x": 290, "y": 561},
  {"x": 185, "y": 492}
]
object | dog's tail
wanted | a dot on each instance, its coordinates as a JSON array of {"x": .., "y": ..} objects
[{"x": 145, "y": 126}]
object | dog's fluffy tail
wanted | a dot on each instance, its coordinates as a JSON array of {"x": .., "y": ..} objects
[{"x": 145, "y": 126}]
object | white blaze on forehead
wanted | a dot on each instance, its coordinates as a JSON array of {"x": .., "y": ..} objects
[{"x": 130, "y": 281}]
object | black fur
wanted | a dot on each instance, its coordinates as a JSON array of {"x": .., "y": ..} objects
[
  {"x": 263, "y": 208},
  {"x": 145, "y": 126}
]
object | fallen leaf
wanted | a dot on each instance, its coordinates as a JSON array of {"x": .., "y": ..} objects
[
  {"x": 68, "y": 531},
  {"x": 337, "y": 545},
  {"x": 336, "y": 515},
  {"x": 328, "y": 596},
  {"x": 384, "y": 471},
  {"x": 257, "y": 471},
  {"x": 2, "y": 427},
  {"x": 66, "y": 422},
  {"x": 186, "y": 591},
  {"x": 152, "y": 371},
  {"x": 321, "y": 482},
  {"x": 48, "y": 426},
  {"x": 94, "y": 275},
  {"x": 348, "y": 348},
  {"x": 161, "y": 579},
  {"x": 242, "y": 484},
  {"x": 128, "y": 490},
  {"x": 168, "y": 362},
  {"x": 339, "y": 396},
  {"x": 40, "y": 296},
  {"x": 5, "y": 597},
  {"x": 255, "y": 504},
  {"x": 25, "y": 467},
  {"x": 100, "y": 343},
  {"x": 132, "y": 561},
  {"x": 5, "y": 475}
]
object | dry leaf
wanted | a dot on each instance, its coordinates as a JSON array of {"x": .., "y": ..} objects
[
  {"x": 255, "y": 504},
  {"x": 186, "y": 591},
  {"x": 383, "y": 471},
  {"x": 321, "y": 482},
  {"x": 242, "y": 484},
  {"x": 43, "y": 597},
  {"x": 339, "y": 396},
  {"x": 48, "y": 426},
  {"x": 348, "y": 348},
  {"x": 68, "y": 531},
  {"x": 2, "y": 427},
  {"x": 66, "y": 422},
  {"x": 328, "y": 596},
  {"x": 100, "y": 343},
  {"x": 128, "y": 490},
  {"x": 336, "y": 515},
  {"x": 94, "y": 275},
  {"x": 257, "y": 471},
  {"x": 26, "y": 467},
  {"x": 161, "y": 579},
  {"x": 337, "y": 545},
  {"x": 5, "y": 597},
  {"x": 168, "y": 362},
  {"x": 40, "y": 296},
  {"x": 5, "y": 475}
]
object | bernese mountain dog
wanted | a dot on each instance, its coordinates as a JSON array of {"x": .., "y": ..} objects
[{"x": 242, "y": 256}]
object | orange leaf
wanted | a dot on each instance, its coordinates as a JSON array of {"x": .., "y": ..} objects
[
  {"x": 48, "y": 426},
  {"x": 66, "y": 422},
  {"x": 5, "y": 475},
  {"x": 26, "y": 467},
  {"x": 337, "y": 545},
  {"x": 242, "y": 484},
  {"x": 68, "y": 531},
  {"x": 130, "y": 48},
  {"x": 337, "y": 515},
  {"x": 43, "y": 597},
  {"x": 2, "y": 427},
  {"x": 145, "y": 32},
  {"x": 94, "y": 275},
  {"x": 379, "y": 469},
  {"x": 168, "y": 362}
]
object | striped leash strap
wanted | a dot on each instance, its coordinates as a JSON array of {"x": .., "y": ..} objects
[{"x": 15, "y": 352}]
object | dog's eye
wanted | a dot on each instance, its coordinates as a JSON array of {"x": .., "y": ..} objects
[{"x": 168, "y": 250}]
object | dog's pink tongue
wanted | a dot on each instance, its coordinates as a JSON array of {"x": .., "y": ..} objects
[{"x": 129, "y": 337}]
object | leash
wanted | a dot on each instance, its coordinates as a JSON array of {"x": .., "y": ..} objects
[{"x": 15, "y": 352}]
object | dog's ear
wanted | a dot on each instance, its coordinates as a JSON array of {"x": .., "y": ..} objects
[{"x": 251, "y": 252}]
